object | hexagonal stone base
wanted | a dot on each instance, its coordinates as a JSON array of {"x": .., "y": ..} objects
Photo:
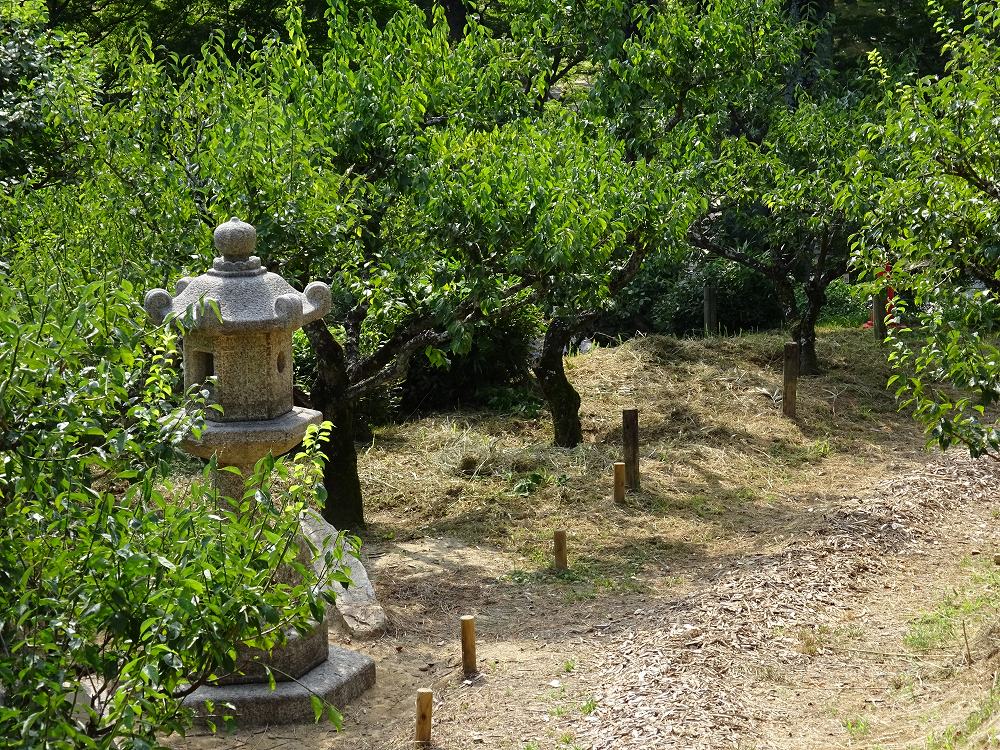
[{"x": 344, "y": 676}]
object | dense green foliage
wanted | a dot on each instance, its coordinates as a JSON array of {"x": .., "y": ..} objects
[
  {"x": 118, "y": 595},
  {"x": 934, "y": 217},
  {"x": 668, "y": 295}
]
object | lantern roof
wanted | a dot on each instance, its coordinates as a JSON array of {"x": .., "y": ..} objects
[{"x": 238, "y": 293}]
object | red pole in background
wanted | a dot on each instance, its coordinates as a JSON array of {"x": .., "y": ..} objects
[{"x": 890, "y": 294}]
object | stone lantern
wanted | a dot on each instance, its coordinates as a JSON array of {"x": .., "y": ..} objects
[
  {"x": 240, "y": 330},
  {"x": 239, "y": 320}
]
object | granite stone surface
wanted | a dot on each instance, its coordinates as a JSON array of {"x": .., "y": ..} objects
[
  {"x": 341, "y": 678},
  {"x": 301, "y": 653},
  {"x": 357, "y": 606},
  {"x": 244, "y": 443}
]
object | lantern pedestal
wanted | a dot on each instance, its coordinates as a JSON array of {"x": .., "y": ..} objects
[{"x": 244, "y": 443}]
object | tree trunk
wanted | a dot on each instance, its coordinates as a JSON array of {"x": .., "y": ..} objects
[
  {"x": 786, "y": 298},
  {"x": 344, "y": 506},
  {"x": 457, "y": 16},
  {"x": 815, "y": 299},
  {"x": 562, "y": 399}
]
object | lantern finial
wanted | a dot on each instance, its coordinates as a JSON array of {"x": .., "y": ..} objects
[{"x": 235, "y": 239}]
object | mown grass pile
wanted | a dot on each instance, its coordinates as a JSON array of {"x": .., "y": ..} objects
[{"x": 717, "y": 456}]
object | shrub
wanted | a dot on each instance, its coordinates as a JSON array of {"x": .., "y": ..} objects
[
  {"x": 846, "y": 304},
  {"x": 499, "y": 355},
  {"x": 118, "y": 596},
  {"x": 668, "y": 297}
]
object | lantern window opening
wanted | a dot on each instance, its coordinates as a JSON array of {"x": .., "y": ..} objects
[{"x": 202, "y": 365}]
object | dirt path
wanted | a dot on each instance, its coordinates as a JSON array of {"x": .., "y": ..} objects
[
  {"x": 757, "y": 658},
  {"x": 790, "y": 640}
]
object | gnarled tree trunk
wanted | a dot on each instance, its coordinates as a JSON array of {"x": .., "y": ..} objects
[
  {"x": 815, "y": 299},
  {"x": 344, "y": 507},
  {"x": 802, "y": 325},
  {"x": 560, "y": 396},
  {"x": 785, "y": 292}
]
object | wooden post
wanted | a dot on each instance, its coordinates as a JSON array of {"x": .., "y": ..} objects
[
  {"x": 791, "y": 380},
  {"x": 469, "y": 645},
  {"x": 559, "y": 548},
  {"x": 425, "y": 707},
  {"x": 630, "y": 447},
  {"x": 879, "y": 303},
  {"x": 619, "y": 495},
  {"x": 711, "y": 311}
]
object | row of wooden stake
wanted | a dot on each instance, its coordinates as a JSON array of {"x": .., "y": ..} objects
[
  {"x": 626, "y": 476},
  {"x": 425, "y": 696}
]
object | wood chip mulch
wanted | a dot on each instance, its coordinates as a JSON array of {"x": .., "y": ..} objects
[{"x": 676, "y": 673}]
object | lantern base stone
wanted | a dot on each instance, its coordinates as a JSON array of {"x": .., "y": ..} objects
[
  {"x": 301, "y": 653},
  {"x": 356, "y": 608},
  {"x": 344, "y": 676}
]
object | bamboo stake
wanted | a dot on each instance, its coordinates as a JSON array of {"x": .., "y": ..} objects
[
  {"x": 619, "y": 495},
  {"x": 559, "y": 548}
]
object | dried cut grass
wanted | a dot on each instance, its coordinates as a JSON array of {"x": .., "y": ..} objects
[{"x": 719, "y": 463}]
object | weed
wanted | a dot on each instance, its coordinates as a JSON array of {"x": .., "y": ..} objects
[
  {"x": 569, "y": 665},
  {"x": 528, "y": 484},
  {"x": 705, "y": 506},
  {"x": 519, "y": 401},
  {"x": 589, "y": 707},
  {"x": 580, "y": 594},
  {"x": 955, "y": 736},
  {"x": 813, "y": 640},
  {"x": 942, "y": 625},
  {"x": 850, "y": 632},
  {"x": 818, "y": 449},
  {"x": 901, "y": 682},
  {"x": 857, "y": 728}
]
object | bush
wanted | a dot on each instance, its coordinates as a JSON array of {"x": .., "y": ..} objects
[
  {"x": 500, "y": 355},
  {"x": 846, "y": 304},
  {"x": 668, "y": 297},
  {"x": 118, "y": 592}
]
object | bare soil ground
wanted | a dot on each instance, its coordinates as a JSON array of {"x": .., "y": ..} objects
[{"x": 761, "y": 591}]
